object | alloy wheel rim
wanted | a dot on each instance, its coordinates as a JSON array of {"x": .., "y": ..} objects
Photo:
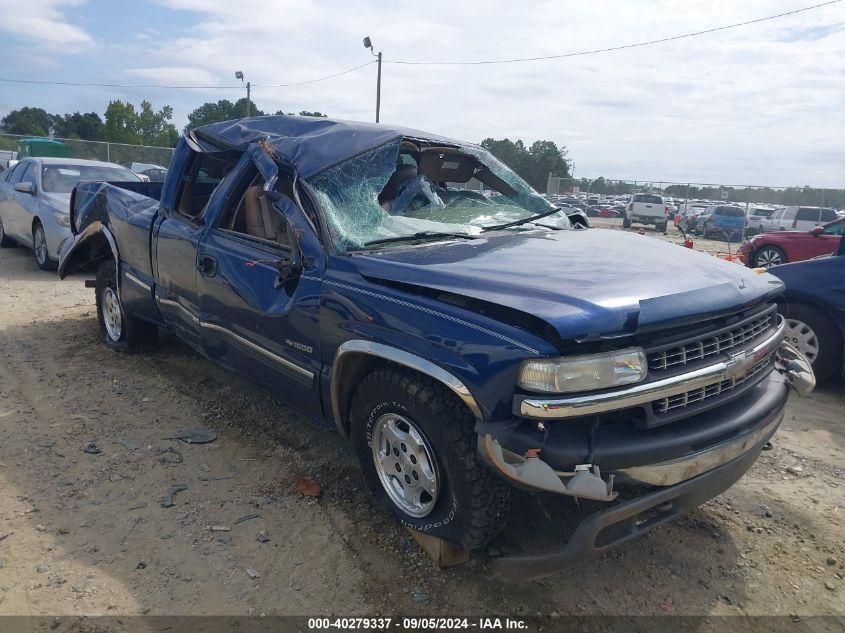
[
  {"x": 803, "y": 337},
  {"x": 769, "y": 257},
  {"x": 40, "y": 245},
  {"x": 405, "y": 465},
  {"x": 112, "y": 315}
]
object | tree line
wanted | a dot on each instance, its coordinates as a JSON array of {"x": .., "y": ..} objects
[{"x": 123, "y": 122}]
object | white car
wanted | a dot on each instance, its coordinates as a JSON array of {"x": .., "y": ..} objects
[
  {"x": 646, "y": 208},
  {"x": 35, "y": 202}
]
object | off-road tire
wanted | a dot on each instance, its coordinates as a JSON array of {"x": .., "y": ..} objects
[
  {"x": 473, "y": 503},
  {"x": 5, "y": 240},
  {"x": 136, "y": 335},
  {"x": 829, "y": 358}
]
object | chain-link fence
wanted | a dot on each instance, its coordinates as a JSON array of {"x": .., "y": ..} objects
[
  {"x": 597, "y": 188},
  {"x": 119, "y": 153}
]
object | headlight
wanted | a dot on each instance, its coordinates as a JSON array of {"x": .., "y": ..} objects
[
  {"x": 583, "y": 373},
  {"x": 62, "y": 219}
]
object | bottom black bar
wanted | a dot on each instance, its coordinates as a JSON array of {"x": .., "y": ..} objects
[{"x": 289, "y": 624}]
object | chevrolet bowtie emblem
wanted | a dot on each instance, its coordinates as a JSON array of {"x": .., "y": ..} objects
[{"x": 739, "y": 364}]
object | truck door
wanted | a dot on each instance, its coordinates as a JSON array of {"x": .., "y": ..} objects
[
  {"x": 264, "y": 330},
  {"x": 176, "y": 241}
]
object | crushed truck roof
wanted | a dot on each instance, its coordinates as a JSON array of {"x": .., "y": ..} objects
[{"x": 311, "y": 144}]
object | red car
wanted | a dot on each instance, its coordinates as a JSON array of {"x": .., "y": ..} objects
[
  {"x": 608, "y": 213},
  {"x": 781, "y": 247}
]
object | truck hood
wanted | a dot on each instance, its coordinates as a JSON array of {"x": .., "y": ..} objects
[{"x": 586, "y": 284}]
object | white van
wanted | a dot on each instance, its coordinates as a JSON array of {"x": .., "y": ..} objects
[{"x": 646, "y": 208}]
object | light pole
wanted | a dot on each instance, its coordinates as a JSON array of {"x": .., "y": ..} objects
[
  {"x": 368, "y": 44},
  {"x": 240, "y": 75}
]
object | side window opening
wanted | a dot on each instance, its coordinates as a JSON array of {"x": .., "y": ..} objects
[
  {"x": 809, "y": 214},
  {"x": 199, "y": 182},
  {"x": 29, "y": 174},
  {"x": 253, "y": 214}
]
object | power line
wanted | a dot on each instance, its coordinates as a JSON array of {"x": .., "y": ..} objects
[
  {"x": 311, "y": 81},
  {"x": 107, "y": 85},
  {"x": 612, "y": 48},
  {"x": 117, "y": 85}
]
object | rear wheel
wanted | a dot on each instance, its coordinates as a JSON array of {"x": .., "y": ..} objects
[
  {"x": 815, "y": 336},
  {"x": 416, "y": 444},
  {"x": 626, "y": 223},
  {"x": 5, "y": 240},
  {"x": 769, "y": 256},
  {"x": 119, "y": 332},
  {"x": 39, "y": 247},
  {"x": 662, "y": 227}
]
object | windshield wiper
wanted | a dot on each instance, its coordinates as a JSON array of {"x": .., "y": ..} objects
[
  {"x": 530, "y": 218},
  {"x": 420, "y": 235}
]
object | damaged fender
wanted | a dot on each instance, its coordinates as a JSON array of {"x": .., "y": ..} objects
[{"x": 103, "y": 214}]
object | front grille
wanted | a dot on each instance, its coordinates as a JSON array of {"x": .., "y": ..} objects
[
  {"x": 721, "y": 341},
  {"x": 664, "y": 405}
]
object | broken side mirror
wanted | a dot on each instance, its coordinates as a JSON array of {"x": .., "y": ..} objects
[{"x": 290, "y": 267}]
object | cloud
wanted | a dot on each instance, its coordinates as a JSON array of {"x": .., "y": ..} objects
[
  {"x": 760, "y": 103},
  {"x": 175, "y": 75},
  {"x": 43, "y": 21}
]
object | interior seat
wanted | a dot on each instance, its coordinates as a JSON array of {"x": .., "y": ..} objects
[{"x": 260, "y": 219}]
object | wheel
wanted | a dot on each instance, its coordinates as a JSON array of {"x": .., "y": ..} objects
[
  {"x": 815, "y": 336},
  {"x": 119, "y": 332},
  {"x": 626, "y": 223},
  {"x": 661, "y": 227},
  {"x": 769, "y": 256},
  {"x": 5, "y": 240},
  {"x": 39, "y": 247},
  {"x": 416, "y": 444}
]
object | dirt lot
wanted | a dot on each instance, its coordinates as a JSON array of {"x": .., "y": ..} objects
[{"x": 86, "y": 533}]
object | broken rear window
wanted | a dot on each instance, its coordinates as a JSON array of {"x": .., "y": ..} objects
[{"x": 411, "y": 186}]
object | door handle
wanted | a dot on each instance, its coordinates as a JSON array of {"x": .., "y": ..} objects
[{"x": 207, "y": 265}]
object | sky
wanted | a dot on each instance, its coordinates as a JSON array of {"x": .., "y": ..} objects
[{"x": 762, "y": 104}]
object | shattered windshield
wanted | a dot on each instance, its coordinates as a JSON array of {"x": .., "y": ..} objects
[{"x": 411, "y": 188}]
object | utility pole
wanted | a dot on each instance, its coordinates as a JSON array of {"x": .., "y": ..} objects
[
  {"x": 369, "y": 44},
  {"x": 239, "y": 75},
  {"x": 378, "y": 88}
]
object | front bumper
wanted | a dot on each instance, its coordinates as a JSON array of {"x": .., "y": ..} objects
[
  {"x": 693, "y": 460},
  {"x": 634, "y": 518}
]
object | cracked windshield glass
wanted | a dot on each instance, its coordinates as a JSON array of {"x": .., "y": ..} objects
[{"x": 410, "y": 189}]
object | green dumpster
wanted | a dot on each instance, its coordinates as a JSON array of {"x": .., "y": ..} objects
[{"x": 43, "y": 147}]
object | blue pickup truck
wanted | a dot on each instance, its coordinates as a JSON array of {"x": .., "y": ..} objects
[{"x": 416, "y": 294}]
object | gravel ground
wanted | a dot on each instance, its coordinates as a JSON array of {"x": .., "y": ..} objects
[{"x": 86, "y": 533}]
